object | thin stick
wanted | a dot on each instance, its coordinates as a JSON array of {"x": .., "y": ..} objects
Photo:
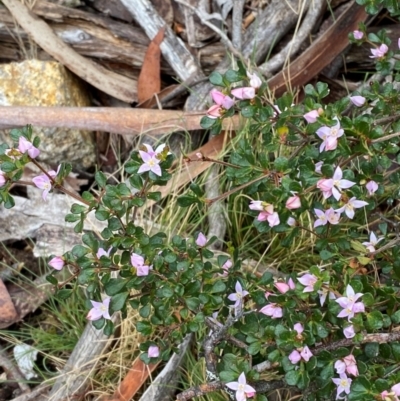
[
  {"x": 203, "y": 18},
  {"x": 237, "y": 17}
]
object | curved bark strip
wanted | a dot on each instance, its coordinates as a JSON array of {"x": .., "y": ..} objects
[
  {"x": 316, "y": 57},
  {"x": 113, "y": 84}
]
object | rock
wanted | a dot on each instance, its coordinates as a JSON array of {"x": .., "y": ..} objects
[{"x": 48, "y": 83}]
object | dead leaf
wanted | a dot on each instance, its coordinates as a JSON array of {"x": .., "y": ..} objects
[
  {"x": 8, "y": 314},
  {"x": 149, "y": 81},
  {"x": 137, "y": 375}
]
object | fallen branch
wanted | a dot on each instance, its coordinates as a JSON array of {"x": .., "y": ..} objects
[
  {"x": 73, "y": 380},
  {"x": 123, "y": 121}
]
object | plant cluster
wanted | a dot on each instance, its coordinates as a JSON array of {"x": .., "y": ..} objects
[{"x": 328, "y": 169}]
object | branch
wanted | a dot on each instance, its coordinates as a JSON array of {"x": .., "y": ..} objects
[
  {"x": 204, "y": 20},
  {"x": 314, "y": 12},
  {"x": 173, "y": 49},
  {"x": 202, "y": 389},
  {"x": 368, "y": 338},
  {"x": 237, "y": 17}
]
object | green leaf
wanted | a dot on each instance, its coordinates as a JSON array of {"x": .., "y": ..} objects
[
  {"x": 79, "y": 251},
  {"x": 192, "y": 303},
  {"x": 72, "y": 218},
  {"x": 51, "y": 279},
  {"x": 374, "y": 320},
  {"x": 109, "y": 328},
  {"x": 8, "y": 167},
  {"x": 144, "y": 312},
  {"x": 207, "y": 122},
  {"x": 102, "y": 214},
  {"x": 63, "y": 294},
  {"x": 292, "y": 377},
  {"x": 77, "y": 209},
  {"x": 396, "y": 317},
  {"x": 101, "y": 179},
  {"x": 233, "y": 76},
  {"x": 114, "y": 286},
  {"x": 216, "y": 78},
  {"x": 227, "y": 376},
  {"x": 254, "y": 348},
  {"x": 118, "y": 301},
  {"x": 144, "y": 328},
  {"x": 372, "y": 350},
  {"x": 186, "y": 200},
  {"x": 218, "y": 286}
]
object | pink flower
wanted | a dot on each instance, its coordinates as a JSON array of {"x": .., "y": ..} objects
[
  {"x": 137, "y": 261},
  {"x": 372, "y": 187},
  {"x": 226, "y": 266},
  {"x": 329, "y": 136},
  {"x": 349, "y": 331},
  {"x": 272, "y": 310},
  {"x": 238, "y": 295},
  {"x": 247, "y": 92},
  {"x": 282, "y": 287},
  {"x": 153, "y": 351},
  {"x": 358, "y": 35},
  {"x": 396, "y": 387},
  {"x": 311, "y": 116},
  {"x": 379, "y": 52},
  {"x": 214, "y": 111},
  {"x": 294, "y": 357},
  {"x": 273, "y": 219},
  {"x": 291, "y": 222},
  {"x": 254, "y": 80},
  {"x": 373, "y": 241},
  {"x": 298, "y": 327},
  {"x": 151, "y": 163},
  {"x": 222, "y": 100},
  {"x": 159, "y": 149},
  {"x": 349, "y": 304},
  {"x": 24, "y": 146},
  {"x": 243, "y": 390},
  {"x": 306, "y": 354},
  {"x": 43, "y": 182},
  {"x": 291, "y": 283},
  {"x": 339, "y": 183},
  {"x": 351, "y": 365},
  {"x": 57, "y": 263},
  {"x": 358, "y": 100},
  {"x": 329, "y": 216},
  {"x": 261, "y": 206},
  {"x": 101, "y": 252},
  {"x": 343, "y": 384},
  {"x": 3, "y": 179},
  {"x": 100, "y": 309},
  {"x": 201, "y": 240},
  {"x": 318, "y": 166},
  {"x": 293, "y": 202},
  {"x": 349, "y": 207},
  {"x": 309, "y": 281},
  {"x": 323, "y": 293},
  {"x": 325, "y": 185}
]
